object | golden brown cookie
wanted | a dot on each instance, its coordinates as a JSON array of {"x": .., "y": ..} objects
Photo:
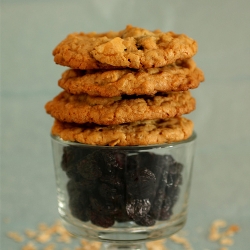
[
  {"x": 116, "y": 110},
  {"x": 145, "y": 132},
  {"x": 179, "y": 76},
  {"x": 132, "y": 47}
]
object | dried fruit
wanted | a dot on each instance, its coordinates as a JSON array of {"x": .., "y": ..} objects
[
  {"x": 146, "y": 221},
  {"x": 137, "y": 208},
  {"x": 112, "y": 185},
  {"x": 78, "y": 201},
  {"x": 100, "y": 220},
  {"x": 140, "y": 183},
  {"x": 88, "y": 168}
]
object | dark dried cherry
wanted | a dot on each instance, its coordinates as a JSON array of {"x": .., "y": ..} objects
[{"x": 110, "y": 185}]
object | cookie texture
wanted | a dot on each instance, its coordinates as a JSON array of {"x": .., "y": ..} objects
[
  {"x": 132, "y": 47},
  {"x": 179, "y": 76},
  {"x": 121, "y": 109},
  {"x": 137, "y": 133}
]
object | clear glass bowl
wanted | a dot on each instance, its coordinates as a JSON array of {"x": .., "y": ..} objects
[{"x": 123, "y": 195}]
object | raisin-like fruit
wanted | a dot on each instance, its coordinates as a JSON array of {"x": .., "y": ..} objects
[
  {"x": 122, "y": 215},
  {"x": 169, "y": 160},
  {"x": 78, "y": 201},
  {"x": 104, "y": 206},
  {"x": 110, "y": 185},
  {"x": 113, "y": 180},
  {"x": 110, "y": 159},
  {"x": 137, "y": 208},
  {"x": 146, "y": 221},
  {"x": 157, "y": 204},
  {"x": 165, "y": 214},
  {"x": 166, "y": 204},
  {"x": 175, "y": 168},
  {"x": 108, "y": 192},
  {"x": 140, "y": 183},
  {"x": 132, "y": 162},
  {"x": 153, "y": 162},
  {"x": 71, "y": 156},
  {"x": 101, "y": 220},
  {"x": 173, "y": 193},
  {"x": 88, "y": 168},
  {"x": 177, "y": 180}
]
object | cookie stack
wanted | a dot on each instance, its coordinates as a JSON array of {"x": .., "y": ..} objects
[{"x": 125, "y": 88}]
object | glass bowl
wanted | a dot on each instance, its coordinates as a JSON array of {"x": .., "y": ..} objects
[{"x": 123, "y": 196}]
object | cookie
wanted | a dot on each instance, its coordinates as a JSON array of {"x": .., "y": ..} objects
[
  {"x": 145, "y": 132},
  {"x": 132, "y": 47},
  {"x": 179, "y": 76},
  {"x": 121, "y": 109}
]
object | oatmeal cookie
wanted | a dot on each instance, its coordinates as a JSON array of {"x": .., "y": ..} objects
[
  {"x": 132, "y": 47},
  {"x": 179, "y": 76},
  {"x": 121, "y": 109},
  {"x": 145, "y": 132}
]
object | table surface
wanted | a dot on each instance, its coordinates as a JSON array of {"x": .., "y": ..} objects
[{"x": 221, "y": 177}]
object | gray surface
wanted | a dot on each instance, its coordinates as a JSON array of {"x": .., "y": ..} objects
[{"x": 29, "y": 32}]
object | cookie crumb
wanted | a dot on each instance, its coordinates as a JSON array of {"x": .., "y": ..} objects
[{"x": 15, "y": 236}]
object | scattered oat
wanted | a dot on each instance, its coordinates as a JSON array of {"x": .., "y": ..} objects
[
  {"x": 86, "y": 245},
  {"x": 214, "y": 234},
  {"x": 29, "y": 246},
  {"x": 42, "y": 227},
  {"x": 50, "y": 247},
  {"x": 15, "y": 236},
  {"x": 182, "y": 241},
  {"x": 58, "y": 228},
  {"x": 30, "y": 233},
  {"x": 226, "y": 241},
  {"x": 66, "y": 238},
  {"x": 156, "y": 245},
  {"x": 45, "y": 234},
  {"x": 224, "y": 238},
  {"x": 43, "y": 237},
  {"x": 232, "y": 230}
]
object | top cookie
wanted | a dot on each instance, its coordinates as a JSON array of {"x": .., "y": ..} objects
[{"x": 132, "y": 47}]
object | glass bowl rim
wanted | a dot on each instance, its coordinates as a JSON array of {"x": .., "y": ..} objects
[{"x": 132, "y": 147}]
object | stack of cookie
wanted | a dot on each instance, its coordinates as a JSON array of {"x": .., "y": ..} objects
[{"x": 125, "y": 88}]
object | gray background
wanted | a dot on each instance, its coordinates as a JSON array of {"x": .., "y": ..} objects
[{"x": 29, "y": 32}]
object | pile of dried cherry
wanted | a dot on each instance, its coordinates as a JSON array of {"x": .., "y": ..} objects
[{"x": 108, "y": 186}]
